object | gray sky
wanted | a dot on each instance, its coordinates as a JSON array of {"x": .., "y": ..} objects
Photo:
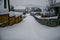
[
  {"x": 57, "y": 0},
  {"x": 29, "y": 2},
  {"x": 17, "y": 3}
]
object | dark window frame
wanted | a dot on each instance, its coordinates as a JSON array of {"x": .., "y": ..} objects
[
  {"x": 5, "y": 4},
  {"x": 9, "y": 5}
]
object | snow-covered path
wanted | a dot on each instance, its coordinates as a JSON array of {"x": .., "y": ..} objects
[{"x": 30, "y": 29}]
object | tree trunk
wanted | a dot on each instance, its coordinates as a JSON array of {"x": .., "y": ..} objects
[{"x": 59, "y": 16}]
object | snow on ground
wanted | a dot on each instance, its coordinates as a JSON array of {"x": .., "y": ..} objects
[
  {"x": 39, "y": 17},
  {"x": 30, "y": 29}
]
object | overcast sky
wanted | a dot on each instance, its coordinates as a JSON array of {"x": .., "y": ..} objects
[
  {"x": 29, "y": 2},
  {"x": 24, "y": 3},
  {"x": 57, "y": 0}
]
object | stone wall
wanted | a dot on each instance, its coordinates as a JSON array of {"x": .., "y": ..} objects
[
  {"x": 4, "y": 20},
  {"x": 47, "y": 22}
]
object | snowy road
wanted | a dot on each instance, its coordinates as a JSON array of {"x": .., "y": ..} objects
[{"x": 30, "y": 29}]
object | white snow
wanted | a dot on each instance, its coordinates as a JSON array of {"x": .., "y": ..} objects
[
  {"x": 19, "y": 7},
  {"x": 11, "y": 13},
  {"x": 18, "y": 14},
  {"x": 30, "y": 29},
  {"x": 15, "y": 13},
  {"x": 55, "y": 17}
]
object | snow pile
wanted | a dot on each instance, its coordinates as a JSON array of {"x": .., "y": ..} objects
[
  {"x": 11, "y": 13},
  {"x": 15, "y": 13},
  {"x": 47, "y": 17},
  {"x": 18, "y": 13}
]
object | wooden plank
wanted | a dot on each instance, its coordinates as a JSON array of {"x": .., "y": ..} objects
[
  {"x": 5, "y": 17},
  {"x": 20, "y": 18},
  {"x": 4, "y": 20},
  {"x": 17, "y": 19},
  {"x": 0, "y": 19},
  {"x": 12, "y": 20}
]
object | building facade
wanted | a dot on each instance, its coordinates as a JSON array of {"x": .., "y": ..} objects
[
  {"x": 4, "y": 5},
  {"x": 4, "y": 12}
]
